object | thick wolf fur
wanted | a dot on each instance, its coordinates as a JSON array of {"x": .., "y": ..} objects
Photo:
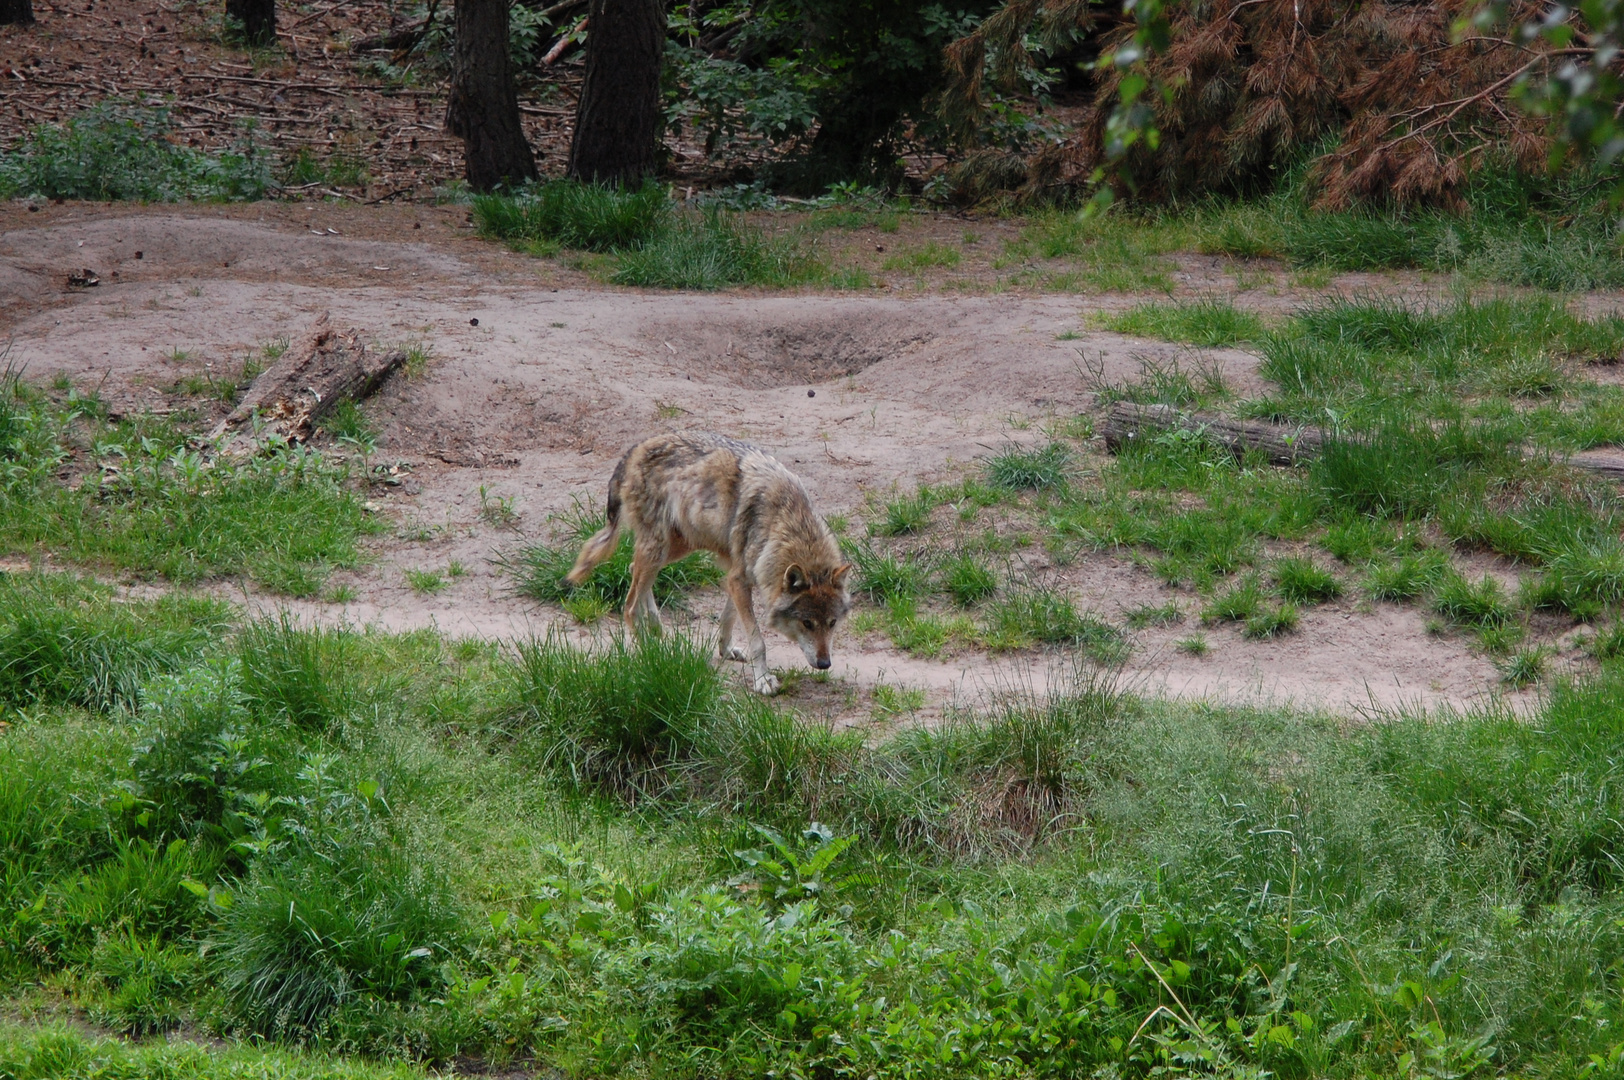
[{"x": 702, "y": 492}]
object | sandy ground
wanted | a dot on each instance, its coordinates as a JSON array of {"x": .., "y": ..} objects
[{"x": 536, "y": 383}]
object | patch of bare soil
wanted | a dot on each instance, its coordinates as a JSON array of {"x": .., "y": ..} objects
[{"x": 534, "y": 386}]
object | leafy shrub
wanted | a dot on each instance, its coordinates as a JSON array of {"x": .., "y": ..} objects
[
  {"x": 591, "y": 217},
  {"x": 198, "y": 755},
  {"x": 115, "y": 150}
]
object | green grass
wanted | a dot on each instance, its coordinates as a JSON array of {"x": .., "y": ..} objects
[
  {"x": 158, "y": 508},
  {"x": 716, "y": 251},
  {"x": 1301, "y": 581},
  {"x": 589, "y": 217},
  {"x": 1023, "y": 470},
  {"x": 538, "y": 571},
  {"x": 1206, "y": 322},
  {"x": 967, "y": 580},
  {"x": 63, "y": 1052},
  {"x": 499, "y": 839}
]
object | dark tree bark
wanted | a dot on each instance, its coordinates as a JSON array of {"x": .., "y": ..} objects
[
  {"x": 258, "y": 18},
  {"x": 16, "y": 12},
  {"x": 617, "y": 126},
  {"x": 483, "y": 110}
]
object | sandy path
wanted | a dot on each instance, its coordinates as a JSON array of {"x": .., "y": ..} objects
[{"x": 862, "y": 395}]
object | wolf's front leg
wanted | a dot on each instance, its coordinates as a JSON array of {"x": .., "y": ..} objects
[{"x": 738, "y": 588}]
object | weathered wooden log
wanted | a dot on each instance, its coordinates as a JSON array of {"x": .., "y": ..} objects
[
  {"x": 1126, "y": 422},
  {"x": 322, "y": 368}
]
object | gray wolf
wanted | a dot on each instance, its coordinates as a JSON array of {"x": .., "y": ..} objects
[{"x": 703, "y": 492}]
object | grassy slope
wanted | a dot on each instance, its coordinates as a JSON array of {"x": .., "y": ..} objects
[{"x": 417, "y": 847}]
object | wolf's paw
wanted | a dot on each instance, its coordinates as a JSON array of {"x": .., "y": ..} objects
[
  {"x": 767, "y": 684},
  {"x": 733, "y": 652}
]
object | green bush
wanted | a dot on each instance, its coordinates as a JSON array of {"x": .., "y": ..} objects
[{"x": 115, "y": 151}]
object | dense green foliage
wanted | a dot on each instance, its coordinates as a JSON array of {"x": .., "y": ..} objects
[
  {"x": 1050, "y": 888},
  {"x": 119, "y": 151}
]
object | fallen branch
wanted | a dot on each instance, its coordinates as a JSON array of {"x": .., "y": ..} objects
[
  {"x": 320, "y": 370},
  {"x": 563, "y": 43},
  {"x": 1126, "y": 423}
]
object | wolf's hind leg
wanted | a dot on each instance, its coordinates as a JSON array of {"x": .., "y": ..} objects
[
  {"x": 724, "y": 634},
  {"x": 641, "y": 614}
]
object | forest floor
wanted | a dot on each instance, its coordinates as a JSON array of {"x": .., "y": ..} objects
[{"x": 538, "y": 377}]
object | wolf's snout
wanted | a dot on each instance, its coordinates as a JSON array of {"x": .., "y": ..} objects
[{"x": 822, "y": 663}]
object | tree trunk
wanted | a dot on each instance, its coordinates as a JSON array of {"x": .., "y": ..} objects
[
  {"x": 258, "y": 18},
  {"x": 617, "y": 127},
  {"x": 16, "y": 12},
  {"x": 483, "y": 110}
]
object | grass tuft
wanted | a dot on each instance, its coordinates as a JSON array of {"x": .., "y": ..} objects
[{"x": 1029, "y": 470}]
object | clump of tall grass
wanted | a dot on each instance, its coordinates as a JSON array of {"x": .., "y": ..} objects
[
  {"x": 538, "y": 571},
  {"x": 714, "y": 251},
  {"x": 300, "y": 674},
  {"x": 67, "y": 642},
  {"x": 591, "y": 217},
  {"x": 613, "y": 714},
  {"x": 1209, "y": 322},
  {"x": 1029, "y": 470},
  {"x": 318, "y": 929}
]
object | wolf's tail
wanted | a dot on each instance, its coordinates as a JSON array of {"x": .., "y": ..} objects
[{"x": 602, "y": 544}]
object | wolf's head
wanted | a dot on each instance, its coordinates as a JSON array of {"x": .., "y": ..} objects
[{"x": 808, "y": 606}]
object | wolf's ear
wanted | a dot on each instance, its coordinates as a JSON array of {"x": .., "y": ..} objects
[
  {"x": 795, "y": 578},
  {"x": 840, "y": 574}
]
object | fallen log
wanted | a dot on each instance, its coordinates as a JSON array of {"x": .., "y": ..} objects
[
  {"x": 1126, "y": 422},
  {"x": 322, "y": 368}
]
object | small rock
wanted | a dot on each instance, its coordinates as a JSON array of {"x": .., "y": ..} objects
[{"x": 473, "y": 322}]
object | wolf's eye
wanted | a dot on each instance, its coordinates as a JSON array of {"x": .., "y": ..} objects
[{"x": 807, "y": 623}]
